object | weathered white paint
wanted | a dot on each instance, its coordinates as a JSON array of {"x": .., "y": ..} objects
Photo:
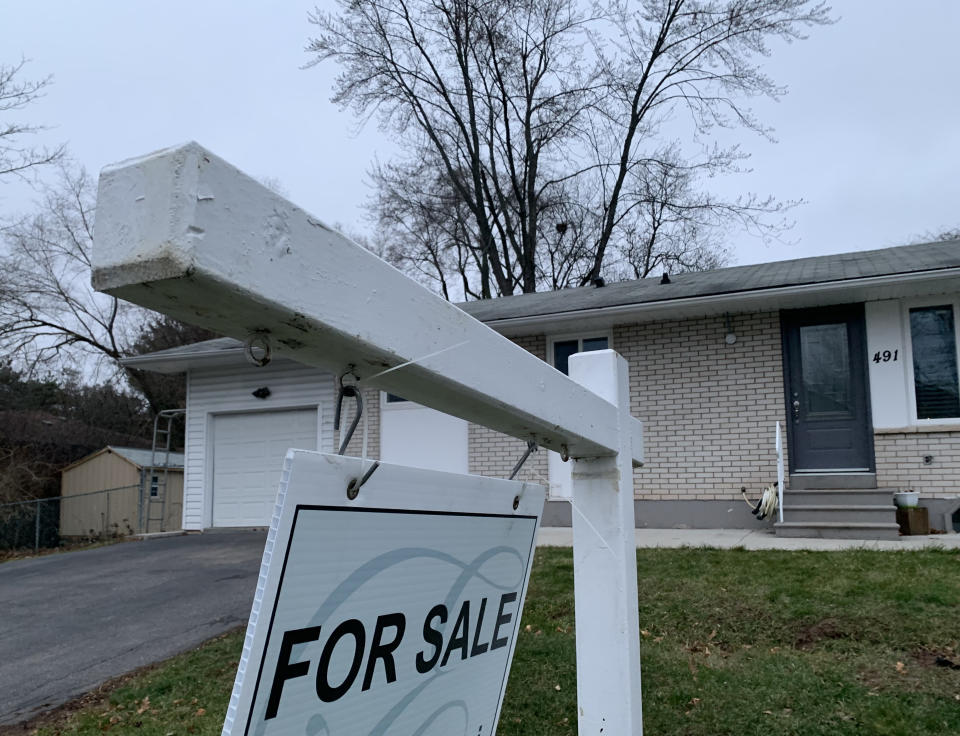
[
  {"x": 183, "y": 232},
  {"x": 889, "y": 383},
  {"x": 229, "y": 389},
  {"x": 414, "y": 435},
  {"x": 561, "y": 480},
  {"x": 605, "y": 566}
]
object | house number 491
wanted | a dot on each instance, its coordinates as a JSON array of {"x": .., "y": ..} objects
[{"x": 885, "y": 356}]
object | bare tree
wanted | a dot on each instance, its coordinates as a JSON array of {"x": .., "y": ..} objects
[
  {"x": 547, "y": 123},
  {"x": 50, "y": 316},
  {"x": 931, "y": 236},
  {"x": 16, "y": 155}
]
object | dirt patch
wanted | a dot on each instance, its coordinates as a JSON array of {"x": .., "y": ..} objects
[
  {"x": 946, "y": 658},
  {"x": 828, "y": 628}
]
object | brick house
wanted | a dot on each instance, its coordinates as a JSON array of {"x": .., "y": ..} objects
[{"x": 854, "y": 354}]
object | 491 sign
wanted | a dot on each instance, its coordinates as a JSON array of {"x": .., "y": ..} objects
[{"x": 394, "y": 612}]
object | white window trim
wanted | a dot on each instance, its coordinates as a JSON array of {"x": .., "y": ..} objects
[
  {"x": 906, "y": 306},
  {"x": 581, "y": 335}
]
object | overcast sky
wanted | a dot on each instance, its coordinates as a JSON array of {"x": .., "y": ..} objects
[{"x": 869, "y": 135}]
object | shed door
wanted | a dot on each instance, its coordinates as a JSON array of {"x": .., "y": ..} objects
[
  {"x": 829, "y": 415},
  {"x": 248, "y": 452}
]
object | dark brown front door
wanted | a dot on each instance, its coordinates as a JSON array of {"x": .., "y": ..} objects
[{"x": 825, "y": 362}]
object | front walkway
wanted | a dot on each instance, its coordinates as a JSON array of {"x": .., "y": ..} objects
[{"x": 751, "y": 539}]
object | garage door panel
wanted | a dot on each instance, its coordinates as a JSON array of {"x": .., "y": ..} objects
[{"x": 248, "y": 452}]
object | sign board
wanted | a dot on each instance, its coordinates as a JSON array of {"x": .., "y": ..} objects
[{"x": 396, "y": 611}]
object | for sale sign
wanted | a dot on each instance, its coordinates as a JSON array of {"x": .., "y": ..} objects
[{"x": 394, "y": 612}]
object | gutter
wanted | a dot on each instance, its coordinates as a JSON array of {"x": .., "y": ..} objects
[{"x": 134, "y": 360}]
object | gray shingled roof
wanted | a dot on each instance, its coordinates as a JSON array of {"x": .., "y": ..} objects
[
  {"x": 142, "y": 457},
  {"x": 738, "y": 280},
  {"x": 726, "y": 281}
]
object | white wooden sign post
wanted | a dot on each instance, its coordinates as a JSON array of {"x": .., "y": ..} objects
[{"x": 185, "y": 233}]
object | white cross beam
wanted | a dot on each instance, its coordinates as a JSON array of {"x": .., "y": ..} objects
[{"x": 185, "y": 233}]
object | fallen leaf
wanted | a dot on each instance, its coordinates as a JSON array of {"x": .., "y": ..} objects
[
  {"x": 144, "y": 705},
  {"x": 201, "y": 711},
  {"x": 712, "y": 635},
  {"x": 528, "y": 627},
  {"x": 644, "y": 633},
  {"x": 557, "y": 688},
  {"x": 658, "y": 639},
  {"x": 768, "y": 712},
  {"x": 901, "y": 668}
]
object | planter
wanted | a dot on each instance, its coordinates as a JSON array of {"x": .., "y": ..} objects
[
  {"x": 913, "y": 521},
  {"x": 907, "y": 499}
]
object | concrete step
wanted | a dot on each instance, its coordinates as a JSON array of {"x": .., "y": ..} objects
[
  {"x": 837, "y": 530},
  {"x": 838, "y": 497},
  {"x": 833, "y": 480},
  {"x": 841, "y": 513}
]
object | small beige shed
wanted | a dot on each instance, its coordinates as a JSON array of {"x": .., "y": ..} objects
[{"x": 115, "y": 491}]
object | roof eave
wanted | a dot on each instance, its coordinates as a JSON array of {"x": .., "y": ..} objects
[
  {"x": 781, "y": 297},
  {"x": 179, "y": 364}
]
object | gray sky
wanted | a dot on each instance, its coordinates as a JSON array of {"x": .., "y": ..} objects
[{"x": 869, "y": 135}]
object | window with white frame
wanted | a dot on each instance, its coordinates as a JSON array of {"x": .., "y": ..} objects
[
  {"x": 933, "y": 340},
  {"x": 561, "y": 348}
]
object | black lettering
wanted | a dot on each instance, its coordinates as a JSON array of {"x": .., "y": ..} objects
[
  {"x": 459, "y": 638},
  {"x": 379, "y": 650},
  {"x": 479, "y": 648},
  {"x": 325, "y": 691},
  {"x": 501, "y": 620},
  {"x": 432, "y": 636},
  {"x": 287, "y": 670}
]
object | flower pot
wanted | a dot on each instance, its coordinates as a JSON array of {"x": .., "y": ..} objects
[{"x": 907, "y": 499}]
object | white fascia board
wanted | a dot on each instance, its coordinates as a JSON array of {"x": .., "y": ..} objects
[
  {"x": 845, "y": 291},
  {"x": 182, "y": 363},
  {"x": 185, "y": 233}
]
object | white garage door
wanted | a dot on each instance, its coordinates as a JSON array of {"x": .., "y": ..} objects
[{"x": 248, "y": 451}]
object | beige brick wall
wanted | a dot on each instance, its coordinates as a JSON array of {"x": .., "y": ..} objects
[
  {"x": 371, "y": 410},
  {"x": 709, "y": 409},
  {"x": 900, "y": 462},
  {"x": 494, "y": 454}
]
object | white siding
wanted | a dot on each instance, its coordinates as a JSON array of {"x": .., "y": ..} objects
[
  {"x": 411, "y": 434},
  {"x": 889, "y": 382},
  {"x": 229, "y": 389}
]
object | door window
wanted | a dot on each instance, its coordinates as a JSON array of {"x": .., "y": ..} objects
[{"x": 825, "y": 353}]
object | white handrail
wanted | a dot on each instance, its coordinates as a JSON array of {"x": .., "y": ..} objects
[{"x": 779, "y": 473}]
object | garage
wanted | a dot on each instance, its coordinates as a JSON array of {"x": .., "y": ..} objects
[{"x": 248, "y": 451}]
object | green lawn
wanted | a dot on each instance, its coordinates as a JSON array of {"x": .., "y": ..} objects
[{"x": 733, "y": 642}]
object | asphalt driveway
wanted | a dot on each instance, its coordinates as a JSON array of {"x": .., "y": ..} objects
[{"x": 70, "y": 621}]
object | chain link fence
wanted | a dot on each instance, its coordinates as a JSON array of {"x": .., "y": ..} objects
[{"x": 50, "y": 522}]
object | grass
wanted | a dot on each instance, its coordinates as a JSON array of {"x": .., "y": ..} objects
[{"x": 733, "y": 642}]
